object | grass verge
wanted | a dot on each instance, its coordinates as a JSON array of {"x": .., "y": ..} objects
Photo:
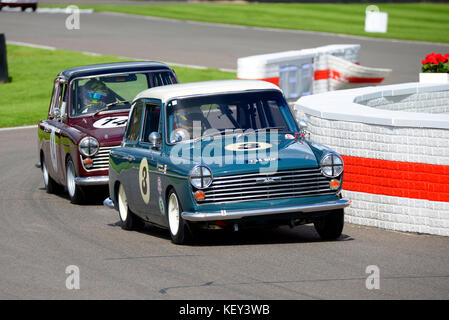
[
  {"x": 26, "y": 98},
  {"x": 410, "y": 21}
]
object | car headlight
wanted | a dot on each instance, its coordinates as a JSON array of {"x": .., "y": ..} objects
[
  {"x": 201, "y": 177},
  {"x": 89, "y": 146},
  {"x": 332, "y": 165}
]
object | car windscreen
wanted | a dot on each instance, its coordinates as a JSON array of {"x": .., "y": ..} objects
[
  {"x": 189, "y": 118},
  {"x": 112, "y": 92}
]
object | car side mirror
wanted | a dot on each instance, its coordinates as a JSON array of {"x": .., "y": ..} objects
[
  {"x": 154, "y": 138},
  {"x": 57, "y": 113}
]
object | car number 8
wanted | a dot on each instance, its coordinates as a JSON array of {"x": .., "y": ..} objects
[{"x": 144, "y": 180}]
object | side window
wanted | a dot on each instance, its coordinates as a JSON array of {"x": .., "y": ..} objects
[
  {"x": 54, "y": 96},
  {"x": 152, "y": 118},
  {"x": 135, "y": 120},
  {"x": 58, "y": 98},
  {"x": 63, "y": 106}
]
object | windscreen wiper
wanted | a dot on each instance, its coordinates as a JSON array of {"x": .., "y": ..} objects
[
  {"x": 259, "y": 129},
  {"x": 110, "y": 105}
]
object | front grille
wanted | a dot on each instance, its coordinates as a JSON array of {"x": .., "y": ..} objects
[
  {"x": 268, "y": 186},
  {"x": 101, "y": 159}
]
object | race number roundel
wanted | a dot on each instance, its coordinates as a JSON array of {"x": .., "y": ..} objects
[
  {"x": 111, "y": 122},
  {"x": 248, "y": 146},
  {"x": 144, "y": 180}
]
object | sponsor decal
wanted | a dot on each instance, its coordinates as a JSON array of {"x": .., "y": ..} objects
[
  {"x": 161, "y": 206},
  {"x": 289, "y": 136},
  {"x": 248, "y": 146},
  {"x": 223, "y": 212},
  {"x": 111, "y": 122},
  {"x": 253, "y": 161},
  {"x": 159, "y": 185},
  {"x": 144, "y": 180}
]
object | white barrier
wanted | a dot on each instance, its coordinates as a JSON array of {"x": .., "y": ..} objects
[
  {"x": 396, "y": 159},
  {"x": 303, "y": 72}
]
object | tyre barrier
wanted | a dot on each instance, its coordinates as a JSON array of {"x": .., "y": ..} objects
[{"x": 394, "y": 141}]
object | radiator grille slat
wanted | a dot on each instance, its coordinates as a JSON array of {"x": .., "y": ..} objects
[
  {"x": 101, "y": 159},
  {"x": 267, "y": 186}
]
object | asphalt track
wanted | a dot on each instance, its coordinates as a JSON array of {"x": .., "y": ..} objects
[
  {"x": 42, "y": 234},
  {"x": 201, "y": 44}
]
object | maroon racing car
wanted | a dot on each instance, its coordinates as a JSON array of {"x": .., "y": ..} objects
[
  {"x": 23, "y": 4},
  {"x": 87, "y": 117}
]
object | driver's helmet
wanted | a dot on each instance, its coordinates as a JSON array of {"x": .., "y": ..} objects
[
  {"x": 94, "y": 92},
  {"x": 187, "y": 118}
]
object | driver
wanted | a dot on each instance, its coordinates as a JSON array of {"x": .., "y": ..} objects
[
  {"x": 95, "y": 93},
  {"x": 189, "y": 119}
]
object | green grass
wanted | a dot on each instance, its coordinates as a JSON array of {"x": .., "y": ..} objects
[
  {"x": 414, "y": 21},
  {"x": 26, "y": 98}
]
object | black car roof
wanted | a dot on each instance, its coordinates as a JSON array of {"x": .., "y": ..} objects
[{"x": 110, "y": 68}]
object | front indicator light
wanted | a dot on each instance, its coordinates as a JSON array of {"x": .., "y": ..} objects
[
  {"x": 199, "y": 195},
  {"x": 334, "y": 184},
  {"x": 88, "y": 163}
]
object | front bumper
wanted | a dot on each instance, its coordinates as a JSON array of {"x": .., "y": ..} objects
[
  {"x": 92, "y": 181},
  {"x": 238, "y": 214}
]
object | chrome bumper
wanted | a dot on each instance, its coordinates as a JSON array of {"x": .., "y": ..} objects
[
  {"x": 92, "y": 181},
  {"x": 109, "y": 203},
  {"x": 238, "y": 214}
]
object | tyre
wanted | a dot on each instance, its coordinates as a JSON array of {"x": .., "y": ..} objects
[
  {"x": 130, "y": 221},
  {"x": 51, "y": 186},
  {"x": 76, "y": 193},
  {"x": 176, "y": 224},
  {"x": 23, "y": 9},
  {"x": 330, "y": 226}
]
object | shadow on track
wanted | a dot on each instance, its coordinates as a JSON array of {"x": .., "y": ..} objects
[{"x": 250, "y": 236}]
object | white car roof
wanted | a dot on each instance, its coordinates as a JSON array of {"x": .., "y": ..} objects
[{"x": 166, "y": 93}]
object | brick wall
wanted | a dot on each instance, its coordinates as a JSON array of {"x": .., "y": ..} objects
[{"x": 396, "y": 163}]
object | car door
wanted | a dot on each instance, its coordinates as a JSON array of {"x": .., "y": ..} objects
[
  {"x": 148, "y": 156},
  {"x": 129, "y": 173},
  {"x": 52, "y": 129}
]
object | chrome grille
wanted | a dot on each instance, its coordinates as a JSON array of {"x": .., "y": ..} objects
[
  {"x": 268, "y": 186},
  {"x": 101, "y": 159}
]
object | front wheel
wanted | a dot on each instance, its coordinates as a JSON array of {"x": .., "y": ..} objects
[
  {"x": 176, "y": 224},
  {"x": 330, "y": 226},
  {"x": 76, "y": 193},
  {"x": 128, "y": 218}
]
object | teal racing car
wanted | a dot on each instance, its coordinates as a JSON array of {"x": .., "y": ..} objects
[{"x": 222, "y": 154}]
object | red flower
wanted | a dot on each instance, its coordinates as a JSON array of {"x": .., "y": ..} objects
[
  {"x": 433, "y": 59},
  {"x": 439, "y": 57}
]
